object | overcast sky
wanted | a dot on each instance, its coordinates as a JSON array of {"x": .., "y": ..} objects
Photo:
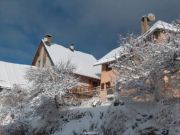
[{"x": 92, "y": 25}]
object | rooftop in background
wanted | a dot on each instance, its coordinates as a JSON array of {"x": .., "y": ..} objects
[
  {"x": 12, "y": 74},
  {"x": 160, "y": 25},
  {"x": 83, "y": 61},
  {"x": 111, "y": 56}
]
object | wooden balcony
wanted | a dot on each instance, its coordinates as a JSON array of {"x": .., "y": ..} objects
[{"x": 86, "y": 91}]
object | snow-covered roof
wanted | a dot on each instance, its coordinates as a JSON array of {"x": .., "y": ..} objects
[
  {"x": 160, "y": 25},
  {"x": 11, "y": 74},
  {"x": 83, "y": 62},
  {"x": 111, "y": 56}
]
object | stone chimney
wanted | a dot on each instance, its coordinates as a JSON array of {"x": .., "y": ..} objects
[
  {"x": 71, "y": 47},
  {"x": 144, "y": 24},
  {"x": 47, "y": 39}
]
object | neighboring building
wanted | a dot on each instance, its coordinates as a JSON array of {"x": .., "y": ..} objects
[
  {"x": 12, "y": 74},
  {"x": 158, "y": 33},
  {"x": 49, "y": 54},
  {"x": 108, "y": 75}
]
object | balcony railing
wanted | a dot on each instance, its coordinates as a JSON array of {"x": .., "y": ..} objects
[{"x": 86, "y": 90}]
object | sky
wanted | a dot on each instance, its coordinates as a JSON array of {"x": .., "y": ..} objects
[{"x": 93, "y": 26}]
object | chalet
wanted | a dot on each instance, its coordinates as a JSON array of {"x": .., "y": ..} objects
[
  {"x": 49, "y": 54},
  {"x": 158, "y": 33},
  {"x": 12, "y": 74}
]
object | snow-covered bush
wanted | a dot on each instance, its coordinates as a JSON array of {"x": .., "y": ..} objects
[
  {"x": 37, "y": 110},
  {"x": 53, "y": 80},
  {"x": 11, "y": 101},
  {"x": 13, "y": 112}
]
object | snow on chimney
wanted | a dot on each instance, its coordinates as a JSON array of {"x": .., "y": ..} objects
[
  {"x": 71, "y": 47},
  {"x": 48, "y": 39}
]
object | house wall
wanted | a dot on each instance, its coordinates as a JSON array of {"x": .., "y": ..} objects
[
  {"x": 106, "y": 76},
  {"x": 159, "y": 36},
  {"x": 171, "y": 84}
]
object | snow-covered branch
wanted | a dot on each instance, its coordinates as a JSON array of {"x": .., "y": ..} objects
[{"x": 55, "y": 80}]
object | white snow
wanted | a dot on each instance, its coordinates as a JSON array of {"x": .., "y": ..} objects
[
  {"x": 160, "y": 25},
  {"x": 83, "y": 61},
  {"x": 12, "y": 74},
  {"x": 128, "y": 119},
  {"x": 111, "y": 56}
]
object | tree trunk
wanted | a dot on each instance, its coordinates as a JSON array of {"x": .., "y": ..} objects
[{"x": 56, "y": 101}]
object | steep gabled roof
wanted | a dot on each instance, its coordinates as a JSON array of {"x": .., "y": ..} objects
[
  {"x": 12, "y": 74},
  {"x": 83, "y": 62}
]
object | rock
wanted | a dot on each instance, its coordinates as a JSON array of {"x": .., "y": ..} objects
[
  {"x": 138, "y": 119},
  {"x": 144, "y": 115},
  {"x": 165, "y": 132},
  {"x": 150, "y": 117}
]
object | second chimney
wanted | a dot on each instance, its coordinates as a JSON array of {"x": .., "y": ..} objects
[
  {"x": 71, "y": 47},
  {"x": 48, "y": 39}
]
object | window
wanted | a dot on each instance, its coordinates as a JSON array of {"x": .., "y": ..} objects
[
  {"x": 108, "y": 85},
  {"x": 109, "y": 89},
  {"x": 102, "y": 86},
  {"x": 107, "y": 67},
  {"x": 95, "y": 84}
]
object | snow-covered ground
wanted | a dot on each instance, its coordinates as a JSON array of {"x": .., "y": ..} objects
[{"x": 127, "y": 119}]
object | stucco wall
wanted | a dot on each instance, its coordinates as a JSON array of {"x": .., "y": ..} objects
[
  {"x": 107, "y": 76},
  {"x": 171, "y": 84},
  {"x": 162, "y": 38}
]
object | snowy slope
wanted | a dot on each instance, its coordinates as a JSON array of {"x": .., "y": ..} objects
[
  {"x": 84, "y": 62},
  {"x": 128, "y": 119},
  {"x": 11, "y": 74}
]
